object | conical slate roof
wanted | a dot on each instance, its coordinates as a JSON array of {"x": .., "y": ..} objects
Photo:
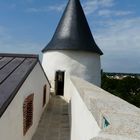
[{"x": 73, "y": 32}]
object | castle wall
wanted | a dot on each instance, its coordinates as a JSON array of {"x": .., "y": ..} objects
[
  {"x": 11, "y": 122},
  {"x": 85, "y": 65},
  {"x": 98, "y": 115}
]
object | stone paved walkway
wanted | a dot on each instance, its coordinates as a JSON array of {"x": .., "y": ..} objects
[{"x": 54, "y": 124}]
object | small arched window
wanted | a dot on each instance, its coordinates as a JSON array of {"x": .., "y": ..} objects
[
  {"x": 44, "y": 95},
  {"x": 28, "y": 113}
]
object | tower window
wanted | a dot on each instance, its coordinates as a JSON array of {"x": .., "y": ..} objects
[
  {"x": 44, "y": 95},
  {"x": 28, "y": 113}
]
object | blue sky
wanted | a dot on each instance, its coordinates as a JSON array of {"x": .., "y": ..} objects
[{"x": 26, "y": 26}]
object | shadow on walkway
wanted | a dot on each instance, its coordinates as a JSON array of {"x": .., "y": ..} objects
[{"x": 54, "y": 124}]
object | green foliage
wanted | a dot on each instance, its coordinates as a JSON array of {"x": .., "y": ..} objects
[{"x": 127, "y": 88}]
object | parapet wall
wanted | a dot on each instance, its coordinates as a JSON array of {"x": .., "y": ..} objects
[{"x": 99, "y": 115}]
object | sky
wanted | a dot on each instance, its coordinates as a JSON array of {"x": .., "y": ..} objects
[{"x": 26, "y": 26}]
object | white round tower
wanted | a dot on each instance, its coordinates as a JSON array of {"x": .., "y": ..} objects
[
  {"x": 73, "y": 49},
  {"x": 81, "y": 64}
]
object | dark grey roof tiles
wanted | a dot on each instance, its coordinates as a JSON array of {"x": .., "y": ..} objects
[
  {"x": 14, "y": 69},
  {"x": 73, "y": 32}
]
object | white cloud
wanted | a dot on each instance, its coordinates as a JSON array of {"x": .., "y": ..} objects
[
  {"x": 90, "y": 6},
  {"x": 119, "y": 38},
  {"x": 120, "y": 42},
  {"x": 57, "y": 8},
  {"x": 102, "y": 7},
  {"x": 123, "y": 13},
  {"x": 105, "y": 12},
  {"x": 109, "y": 13},
  {"x": 106, "y": 3},
  {"x": 36, "y": 10}
]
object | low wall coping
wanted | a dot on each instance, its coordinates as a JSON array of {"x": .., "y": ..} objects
[{"x": 117, "y": 118}]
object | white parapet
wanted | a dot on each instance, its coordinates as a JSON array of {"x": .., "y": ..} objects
[{"x": 99, "y": 115}]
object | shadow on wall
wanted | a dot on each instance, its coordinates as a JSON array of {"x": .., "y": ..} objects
[
  {"x": 84, "y": 64},
  {"x": 81, "y": 55}
]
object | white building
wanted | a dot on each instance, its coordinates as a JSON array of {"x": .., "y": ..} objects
[
  {"x": 24, "y": 93},
  {"x": 72, "y": 49}
]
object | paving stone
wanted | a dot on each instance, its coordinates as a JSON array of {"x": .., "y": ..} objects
[{"x": 54, "y": 123}]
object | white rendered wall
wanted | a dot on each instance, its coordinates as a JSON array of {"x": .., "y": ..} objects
[
  {"x": 11, "y": 122},
  {"x": 83, "y": 124},
  {"x": 77, "y": 63}
]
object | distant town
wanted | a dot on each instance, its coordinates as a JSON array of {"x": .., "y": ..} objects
[{"x": 114, "y": 75}]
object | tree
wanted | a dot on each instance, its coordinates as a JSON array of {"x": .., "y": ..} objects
[{"x": 127, "y": 88}]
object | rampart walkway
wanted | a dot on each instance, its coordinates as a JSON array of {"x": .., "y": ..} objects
[{"x": 54, "y": 124}]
